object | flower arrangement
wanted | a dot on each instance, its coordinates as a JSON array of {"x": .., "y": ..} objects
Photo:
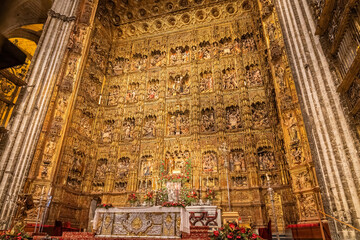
[
  {"x": 173, "y": 204},
  {"x": 149, "y": 196},
  {"x": 210, "y": 194},
  {"x": 188, "y": 196},
  {"x": 176, "y": 177},
  {"x": 161, "y": 195},
  {"x": 132, "y": 198},
  {"x": 16, "y": 233},
  {"x": 233, "y": 231},
  {"x": 107, "y": 206}
]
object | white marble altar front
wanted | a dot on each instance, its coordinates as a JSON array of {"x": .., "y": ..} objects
[{"x": 161, "y": 222}]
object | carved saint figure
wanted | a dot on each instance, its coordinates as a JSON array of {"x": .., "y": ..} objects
[
  {"x": 139, "y": 61},
  {"x": 113, "y": 97},
  {"x": 152, "y": 89},
  {"x": 225, "y": 46},
  {"x": 204, "y": 52},
  {"x": 122, "y": 167},
  {"x": 248, "y": 43},
  {"x": 100, "y": 175},
  {"x": 179, "y": 84},
  {"x": 206, "y": 81},
  {"x": 208, "y": 120},
  {"x": 149, "y": 126},
  {"x": 259, "y": 114},
  {"x": 292, "y": 128},
  {"x": 253, "y": 76},
  {"x": 237, "y": 160},
  {"x": 158, "y": 58},
  {"x": 229, "y": 79},
  {"x": 179, "y": 122},
  {"x": 266, "y": 159},
  {"x": 175, "y": 161},
  {"x": 107, "y": 133},
  {"x": 239, "y": 181},
  {"x": 131, "y": 96},
  {"x": 128, "y": 127},
  {"x": 179, "y": 55},
  {"x": 121, "y": 65},
  {"x": 210, "y": 162},
  {"x": 233, "y": 118}
]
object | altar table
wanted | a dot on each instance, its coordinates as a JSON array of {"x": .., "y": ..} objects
[{"x": 158, "y": 222}]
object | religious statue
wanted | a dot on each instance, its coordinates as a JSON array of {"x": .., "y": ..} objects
[
  {"x": 253, "y": 76},
  {"x": 114, "y": 95},
  {"x": 229, "y": 79},
  {"x": 107, "y": 133},
  {"x": 25, "y": 203},
  {"x": 152, "y": 89},
  {"x": 179, "y": 123},
  {"x": 139, "y": 61},
  {"x": 266, "y": 160},
  {"x": 131, "y": 95},
  {"x": 158, "y": 58},
  {"x": 204, "y": 52},
  {"x": 121, "y": 65},
  {"x": 173, "y": 189},
  {"x": 226, "y": 46},
  {"x": 233, "y": 118},
  {"x": 260, "y": 114},
  {"x": 237, "y": 160},
  {"x": 179, "y": 55},
  {"x": 239, "y": 181},
  {"x": 292, "y": 128},
  {"x": 210, "y": 162},
  {"x": 208, "y": 120},
  {"x": 179, "y": 84},
  {"x": 206, "y": 81},
  {"x": 122, "y": 167},
  {"x": 248, "y": 43},
  {"x": 128, "y": 127},
  {"x": 149, "y": 126}
]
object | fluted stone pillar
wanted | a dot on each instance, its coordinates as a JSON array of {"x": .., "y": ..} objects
[
  {"x": 25, "y": 127},
  {"x": 334, "y": 147}
]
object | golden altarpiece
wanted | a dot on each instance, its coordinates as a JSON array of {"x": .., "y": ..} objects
[{"x": 145, "y": 82}]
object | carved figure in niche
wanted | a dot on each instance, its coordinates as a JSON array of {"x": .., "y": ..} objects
[
  {"x": 291, "y": 125},
  {"x": 307, "y": 206},
  {"x": 146, "y": 165},
  {"x": 85, "y": 123},
  {"x": 266, "y": 158},
  {"x": 158, "y": 58},
  {"x": 206, "y": 81},
  {"x": 179, "y": 55},
  {"x": 302, "y": 181},
  {"x": 175, "y": 161},
  {"x": 113, "y": 97},
  {"x": 123, "y": 166},
  {"x": 236, "y": 47},
  {"x": 215, "y": 50},
  {"x": 225, "y": 46},
  {"x": 179, "y": 84},
  {"x": 239, "y": 181},
  {"x": 208, "y": 120},
  {"x": 229, "y": 79},
  {"x": 233, "y": 117},
  {"x": 107, "y": 133},
  {"x": 204, "y": 52},
  {"x": 259, "y": 114},
  {"x": 128, "y": 127},
  {"x": 271, "y": 32},
  {"x": 139, "y": 61},
  {"x": 194, "y": 53},
  {"x": 296, "y": 154},
  {"x": 131, "y": 96},
  {"x": 100, "y": 175},
  {"x": 91, "y": 91},
  {"x": 120, "y": 186},
  {"x": 121, "y": 65},
  {"x": 280, "y": 77},
  {"x": 248, "y": 43},
  {"x": 237, "y": 160},
  {"x": 253, "y": 76},
  {"x": 152, "y": 89},
  {"x": 210, "y": 161},
  {"x": 149, "y": 126},
  {"x": 179, "y": 122}
]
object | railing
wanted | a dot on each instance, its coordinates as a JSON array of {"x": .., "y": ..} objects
[{"x": 338, "y": 221}]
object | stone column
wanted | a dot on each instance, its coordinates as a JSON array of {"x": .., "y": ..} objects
[
  {"x": 26, "y": 125},
  {"x": 333, "y": 145}
]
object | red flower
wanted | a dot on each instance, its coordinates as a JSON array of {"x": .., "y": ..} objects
[
  {"x": 238, "y": 237},
  {"x": 242, "y": 230},
  {"x": 232, "y": 226},
  {"x": 230, "y": 236},
  {"x": 254, "y": 236},
  {"x": 216, "y": 233}
]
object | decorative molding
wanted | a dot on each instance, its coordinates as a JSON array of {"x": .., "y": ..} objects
[{"x": 62, "y": 17}]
